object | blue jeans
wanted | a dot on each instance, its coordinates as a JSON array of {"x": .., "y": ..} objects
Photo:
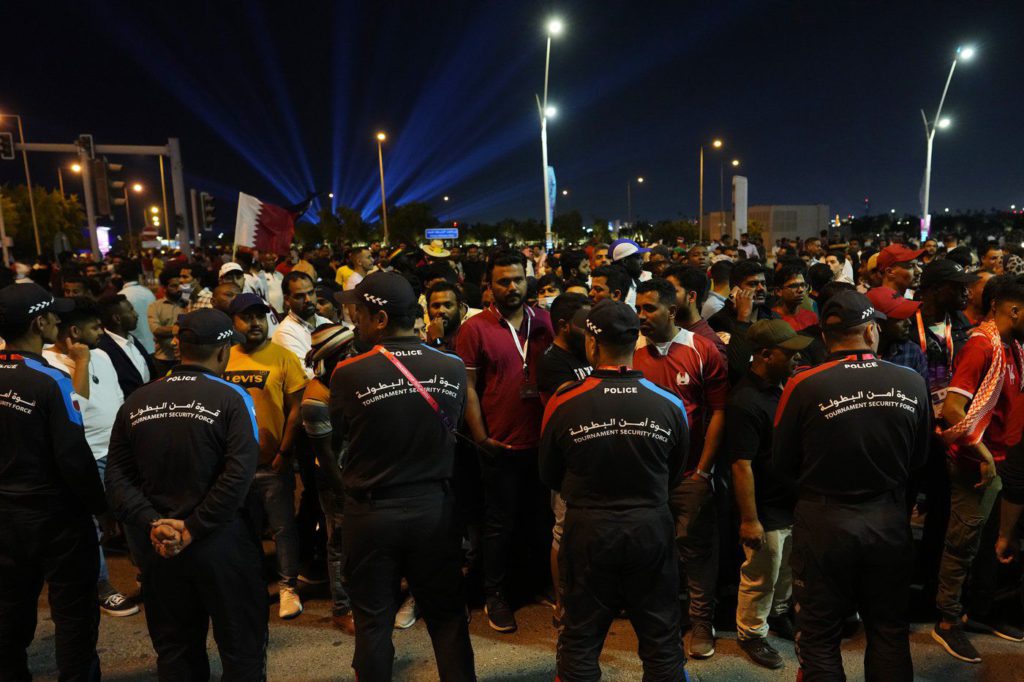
[
  {"x": 333, "y": 504},
  {"x": 276, "y": 495}
]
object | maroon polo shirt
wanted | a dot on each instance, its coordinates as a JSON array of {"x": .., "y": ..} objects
[{"x": 484, "y": 343}]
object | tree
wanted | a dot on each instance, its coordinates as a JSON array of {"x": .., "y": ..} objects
[
  {"x": 54, "y": 214},
  {"x": 351, "y": 225},
  {"x": 406, "y": 223},
  {"x": 568, "y": 227},
  {"x": 600, "y": 231}
]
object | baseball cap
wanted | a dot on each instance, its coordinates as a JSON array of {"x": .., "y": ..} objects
[
  {"x": 946, "y": 270},
  {"x": 609, "y": 320},
  {"x": 848, "y": 309},
  {"x": 624, "y": 248},
  {"x": 207, "y": 326},
  {"x": 387, "y": 290},
  {"x": 872, "y": 262},
  {"x": 897, "y": 253},
  {"x": 244, "y": 302},
  {"x": 23, "y": 302},
  {"x": 776, "y": 334},
  {"x": 892, "y": 303},
  {"x": 229, "y": 267}
]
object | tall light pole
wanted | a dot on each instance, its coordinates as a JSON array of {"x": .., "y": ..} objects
[
  {"x": 381, "y": 137},
  {"x": 137, "y": 188},
  {"x": 717, "y": 144},
  {"x": 28, "y": 182},
  {"x": 629, "y": 198},
  {"x": 555, "y": 27},
  {"x": 962, "y": 54}
]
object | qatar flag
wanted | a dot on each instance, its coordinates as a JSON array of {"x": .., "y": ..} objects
[{"x": 263, "y": 226}]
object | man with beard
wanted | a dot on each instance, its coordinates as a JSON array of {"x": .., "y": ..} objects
[
  {"x": 99, "y": 396},
  {"x": 222, "y": 296},
  {"x": 446, "y": 310},
  {"x": 502, "y": 348},
  {"x": 899, "y": 267},
  {"x": 296, "y": 330},
  {"x": 894, "y": 344},
  {"x": 691, "y": 287},
  {"x": 609, "y": 281},
  {"x": 628, "y": 255},
  {"x": 575, "y": 266},
  {"x": 601, "y": 257},
  {"x": 163, "y": 314},
  {"x": 690, "y": 367},
  {"x": 134, "y": 366},
  {"x": 746, "y": 305}
]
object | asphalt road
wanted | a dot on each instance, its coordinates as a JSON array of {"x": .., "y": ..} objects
[{"x": 308, "y": 648}]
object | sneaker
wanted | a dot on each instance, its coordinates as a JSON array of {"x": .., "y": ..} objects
[
  {"x": 782, "y": 626},
  {"x": 955, "y": 642},
  {"x": 407, "y": 614},
  {"x": 499, "y": 614},
  {"x": 315, "y": 573},
  {"x": 761, "y": 652},
  {"x": 289, "y": 604},
  {"x": 995, "y": 627},
  {"x": 118, "y": 605},
  {"x": 702, "y": 640}
]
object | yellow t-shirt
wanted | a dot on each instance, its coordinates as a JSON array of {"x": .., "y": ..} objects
[
  {"x": 342, "y": 274},
  {"x": 268, "y": 375}
]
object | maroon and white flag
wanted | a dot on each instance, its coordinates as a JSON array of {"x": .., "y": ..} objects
[{"x": 263, "y": 226}]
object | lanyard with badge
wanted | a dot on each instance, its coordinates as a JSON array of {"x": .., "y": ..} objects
[
  {"x": 939, "y": 375},
  {"x": 527, "y": 389}
]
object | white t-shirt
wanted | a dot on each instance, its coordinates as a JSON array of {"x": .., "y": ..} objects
[{"x": 105, "y": 396}]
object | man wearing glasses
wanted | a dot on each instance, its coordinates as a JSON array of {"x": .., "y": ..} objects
[{"x": 792, "y": 292}]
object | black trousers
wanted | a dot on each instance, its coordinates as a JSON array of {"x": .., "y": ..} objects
[
  {"x": 415, "y": 537},
  {"x": 61, "y": 549},
  {"x": 214, "y": 579},
  {"x": 846, "y": 558},
  {"x": 619, "y": 559},
  {"x": 517, "y": 507}
]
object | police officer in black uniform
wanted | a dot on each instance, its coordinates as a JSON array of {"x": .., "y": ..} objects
[
  {"x": 183, "y": 453},
  {"x": 614, "y": 445},
  {"x": 396, "y": 405},
  {"x": 851, "y": 431},
  {"x": 49, "y": 491}
]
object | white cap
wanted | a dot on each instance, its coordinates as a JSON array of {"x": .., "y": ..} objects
[{"x": 229, "y": 267}]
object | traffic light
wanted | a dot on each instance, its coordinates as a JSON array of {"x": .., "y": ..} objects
[
  {"x": 7, "y": 146},
  {"x": 208, "y": 210},
  {"x": 109, "y": 188},
  {"x": 85, "y": 142}
]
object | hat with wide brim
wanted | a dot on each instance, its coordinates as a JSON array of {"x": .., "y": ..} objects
[{"x": 435, "y": 249}]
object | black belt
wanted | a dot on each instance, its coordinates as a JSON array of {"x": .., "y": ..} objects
[
  {"x": 895, "y": 494},
  {"x": 391, "y": 492}
]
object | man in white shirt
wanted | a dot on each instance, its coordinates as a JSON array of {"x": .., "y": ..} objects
[
  {"x": 99, "y": 397},
  {"x": 134, "y": 366},
  {"x": 272, "y": 280},
  {"x": 140, "y": 297},
  {"x": 746, "y": 247},
  {"x": 296, "y": 330}
]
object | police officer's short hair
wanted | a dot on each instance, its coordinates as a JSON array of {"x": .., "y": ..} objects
[{"x": 198, "y": 351}]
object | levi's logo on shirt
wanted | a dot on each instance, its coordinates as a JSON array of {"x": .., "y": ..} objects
[{"x": 248, "y": 378}]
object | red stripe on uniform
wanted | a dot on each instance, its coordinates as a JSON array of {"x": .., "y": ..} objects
[
  {"x": 791, "y": 384},
  {"x": 362, "y": 356},
  {"x": 557, "y": 400}
]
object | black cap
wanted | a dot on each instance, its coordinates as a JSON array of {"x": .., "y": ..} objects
[
  {"x": 609, "y": 320},
  {"x": 382, "y": 290},
  {"x": 24, "y": 302},
  {"x": 244, "y": 302},
  {"x": 946, "y": 270},
  {"x": 207, "y": 327},
  {"x": 848, "y": 309}
]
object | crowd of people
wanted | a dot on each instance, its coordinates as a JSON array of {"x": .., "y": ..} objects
[{"x": 661, "y": 433}]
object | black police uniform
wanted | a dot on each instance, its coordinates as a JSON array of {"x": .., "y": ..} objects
[
  {"x": 614, "y": 445},
  {"x": 398, "y": 508},
  {"x": 186, "y": 447},
  {"x": 50, "y": 489},
  {"x": 851, "y": 431}
]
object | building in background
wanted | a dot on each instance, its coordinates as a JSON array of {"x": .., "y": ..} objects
[{"x": 774, "y": 221}]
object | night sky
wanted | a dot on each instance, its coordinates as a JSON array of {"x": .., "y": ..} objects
[{"x": 819, "y": 100}]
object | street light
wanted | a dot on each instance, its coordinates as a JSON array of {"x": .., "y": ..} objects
[
  {"x": 629, "y": 198},
  {"x": 154, "y": 210},
  {"x": 445, "y": 198},
  {"x": 381, "y": 137},
  {"x": 137, "y": 187},
  {"x": 735, "y": 163},
  {"x": 963, "y": 53},
  {"x": 555, "y": 27},
  {"x": 716, "y": 144},
  {"x": 330, "y": 195},
  {"x": 28, "y": 181},
  {"x": 76, "y": 168}
]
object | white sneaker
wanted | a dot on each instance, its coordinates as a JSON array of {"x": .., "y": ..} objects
[
  {"x": 407, "y": 614},
  {"x": 289, "y": 604}
]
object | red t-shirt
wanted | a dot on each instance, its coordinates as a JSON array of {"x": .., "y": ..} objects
[
  {"x": 1007, "y": 424},
  {"x": 692, "y": 369},
  {"x": 802, "y": 319},
  {"x": 484, "y": 343}
]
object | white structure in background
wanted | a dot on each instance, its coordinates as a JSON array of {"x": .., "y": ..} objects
[
  {"x": 775, "y": 222},
  {"x": 739, "y": 205}
]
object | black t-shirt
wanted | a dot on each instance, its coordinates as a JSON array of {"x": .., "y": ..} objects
[
  {"x": 748, "y": 435},
  {"x": 558, "y": 366}
]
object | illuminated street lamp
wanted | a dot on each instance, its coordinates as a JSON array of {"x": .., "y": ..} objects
[
  {"x": 716, "y": 144},
  {"x": 629, "y": 198},
  {"x": 963, "y": 54},
  {"x": 76, "y": 168},
  {"x": 381, "y": 137},
  {"x": 735, "y": 163},
  {"x": 555, "y": 27}
]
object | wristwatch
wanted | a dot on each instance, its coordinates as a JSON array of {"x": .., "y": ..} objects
[{"x": 703, "y": 474}]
